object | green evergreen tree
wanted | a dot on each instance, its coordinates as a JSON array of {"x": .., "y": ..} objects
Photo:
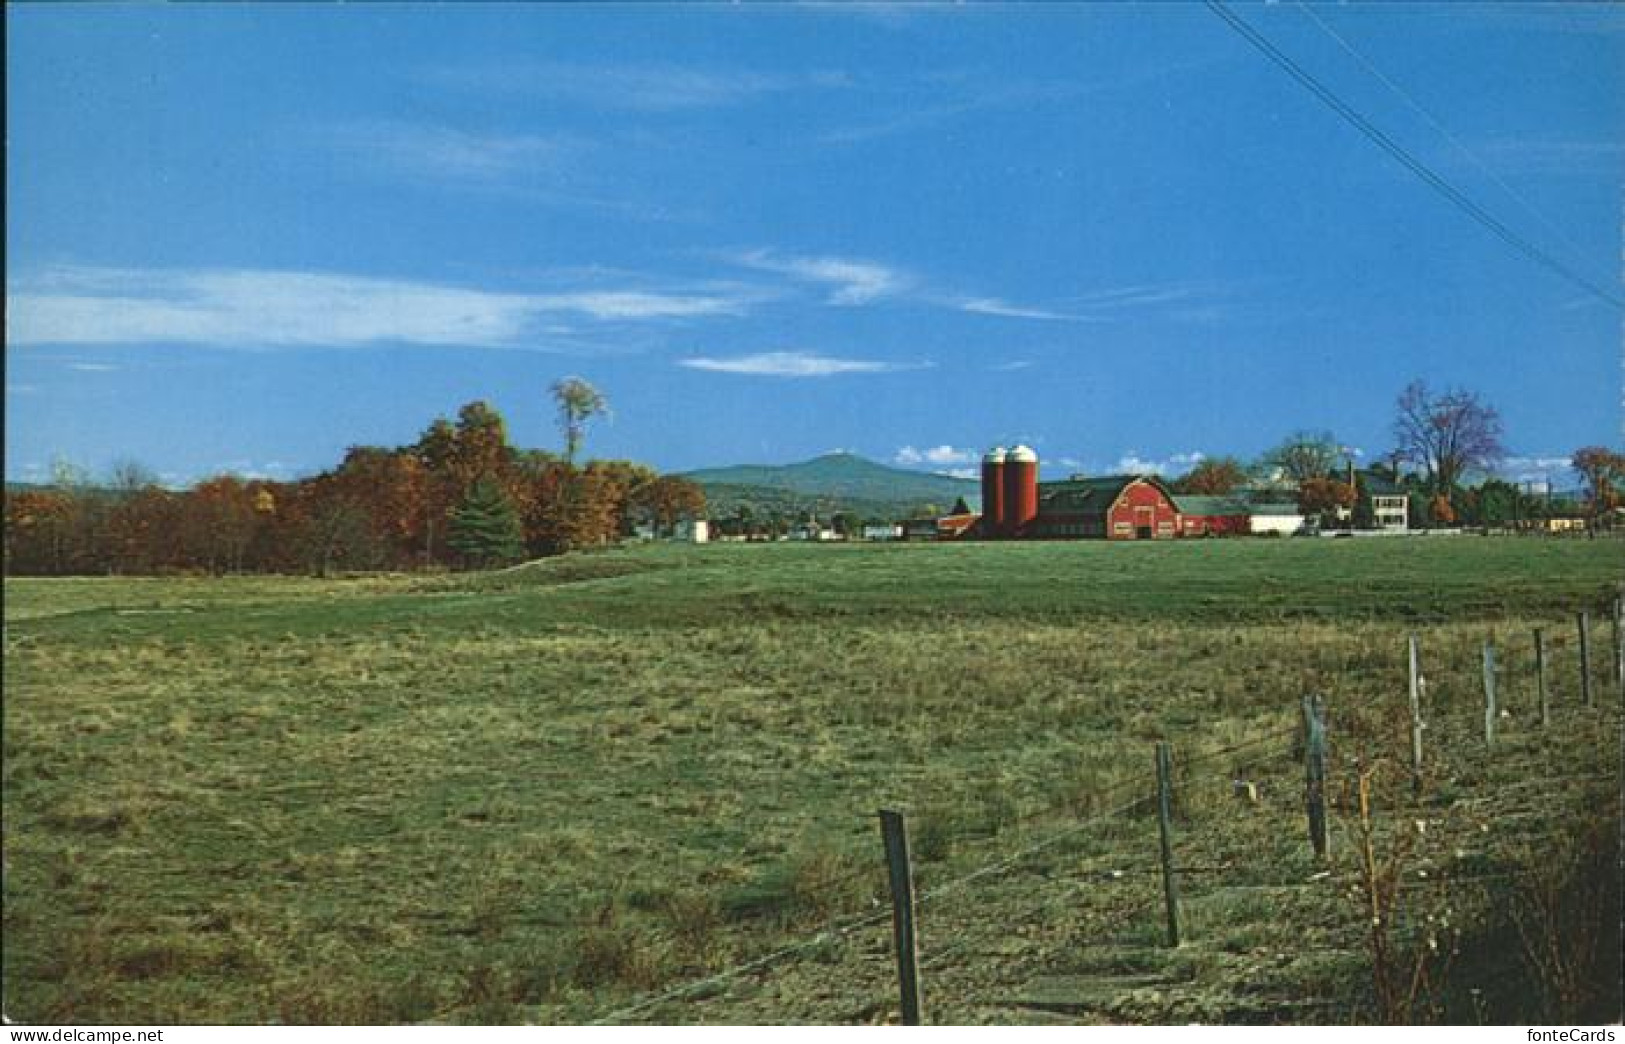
[{"x": 485, "y": 527}]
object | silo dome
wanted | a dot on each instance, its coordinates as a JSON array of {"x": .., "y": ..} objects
[
  {"x": 1021, "y": 455},
  {"x": 994, "y": 455}
]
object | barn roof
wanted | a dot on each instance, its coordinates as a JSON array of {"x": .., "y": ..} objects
[
  {"x": 1282, "y": 508},
  {"x": 1089, "y": 496},
  {"x": 1211, "y": 506}
]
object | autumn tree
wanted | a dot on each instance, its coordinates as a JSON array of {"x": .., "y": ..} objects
[
  {"x": 570, "y": 509},
  {"x": 668, "y": 500},
  {"x": 219, "y": 523},
  {"x": 1304, "y": 455},
  {"x": 1446, "y": 434},
  {"x": 480, "y": 449},
  {"x": 1214, "y": 476},
  {"x": 577, "y": 403},
  {"x": 37, "y": 531},
  {"x": 392, "y": 488},
  {"x": 1603, "y": 472},
  {"x": 1325, "y": 498}
]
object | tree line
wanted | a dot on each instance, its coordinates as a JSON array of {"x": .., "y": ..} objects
[
  {"x": 460, "y": 496},
  {"x": 1439, "y": 438}
]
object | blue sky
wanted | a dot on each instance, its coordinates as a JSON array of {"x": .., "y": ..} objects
[{"x": 246, "y": 237}]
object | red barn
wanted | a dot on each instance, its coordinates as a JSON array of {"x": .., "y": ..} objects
[{"x": 1117, "y": 507}]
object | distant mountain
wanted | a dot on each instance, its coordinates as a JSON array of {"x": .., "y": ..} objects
[{"x": 833, "y": 482}]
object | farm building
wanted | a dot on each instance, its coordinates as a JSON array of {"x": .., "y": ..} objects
[
  {"x": 1213, "y": 515},
  {"x": 1016, "y": 506},
  {"x": 1117, "y": 507}
]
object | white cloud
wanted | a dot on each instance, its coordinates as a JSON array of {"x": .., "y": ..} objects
[
  {"x": 1011, "y": 366},
  {"x": 233, "y": 307},
  {"x": 1537, "y": 469},
  {"x": 964, "y": 473},
  {"x": 935, "y": 456},
  {"x": 94, "y": 367},
  {"x": 792, "y": 364},
  {"x": 851, "y": 282},
  {"x": 1131, "y": 463}
]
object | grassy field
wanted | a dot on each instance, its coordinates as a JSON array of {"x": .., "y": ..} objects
[{"x": 539, "y": 795}]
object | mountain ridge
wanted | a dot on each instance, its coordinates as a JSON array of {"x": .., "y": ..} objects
[{"x": 831, "y": 482}]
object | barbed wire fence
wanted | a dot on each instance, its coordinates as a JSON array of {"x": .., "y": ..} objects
[{"x": 1326, "y": 816}]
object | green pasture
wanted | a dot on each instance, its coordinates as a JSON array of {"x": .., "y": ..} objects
[{"x": 537, "y": 795}]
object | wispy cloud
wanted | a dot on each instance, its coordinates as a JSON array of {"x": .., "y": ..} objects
[
  {"x": 94, "y": 367},
  {"x": 444, "y": 151},
  {"x": 22, "y": 389},
  {"x": 655, "y": 87},
  {"x": 994, "y": 306},
  {"x": 1557, "y": 158},
  {"x": 239, "y": 307},
  {"x": 951, "y": 94},
  {"x": 1139, "y": 296},
  {"x": 849, "y": 281},
  {"x": 794, "y": 364},
  {"x": 935, "y": 456},
  {"x": 1011, "y": 366}
]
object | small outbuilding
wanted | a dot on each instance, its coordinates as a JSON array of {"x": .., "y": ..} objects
[{"x": 1203, "y": 515}]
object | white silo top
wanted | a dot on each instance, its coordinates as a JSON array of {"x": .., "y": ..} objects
[
  {"x": 1021, "y": 455},
  {"x": 994, "y": 455}
]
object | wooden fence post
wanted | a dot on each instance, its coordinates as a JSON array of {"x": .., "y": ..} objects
[
  {"x": 1585, "y": 658},
  {"x": 895, "y": 834},
  {"x": 1619, "y": 642},
  {"x": 1489, "y": 694},
  {"x": 1314, "y": 729},
  {"x": 1170, "y": 883},
  {"x": 1540, "y": 678},
  {"x": 1416, "y": 716}
]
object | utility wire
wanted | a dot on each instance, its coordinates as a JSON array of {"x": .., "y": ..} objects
[
  {"x": 1411, "y": 163},
  {"x": 1434, "y": 122}
]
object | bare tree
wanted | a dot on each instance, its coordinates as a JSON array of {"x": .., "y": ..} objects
[
  {"x": 1305, "y": 455},
  {"x": 128, "y": 476},
  {"x": 577, "y": 403},
  {"x": 1446, "y": 434}
]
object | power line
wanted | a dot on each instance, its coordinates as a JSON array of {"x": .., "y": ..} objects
[
  {"x": 1411, "y": 163},
  {"x": 1434, "y": 122}
]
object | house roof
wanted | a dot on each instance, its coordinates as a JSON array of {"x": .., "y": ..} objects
[{"x": 1379, "y": 485}]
